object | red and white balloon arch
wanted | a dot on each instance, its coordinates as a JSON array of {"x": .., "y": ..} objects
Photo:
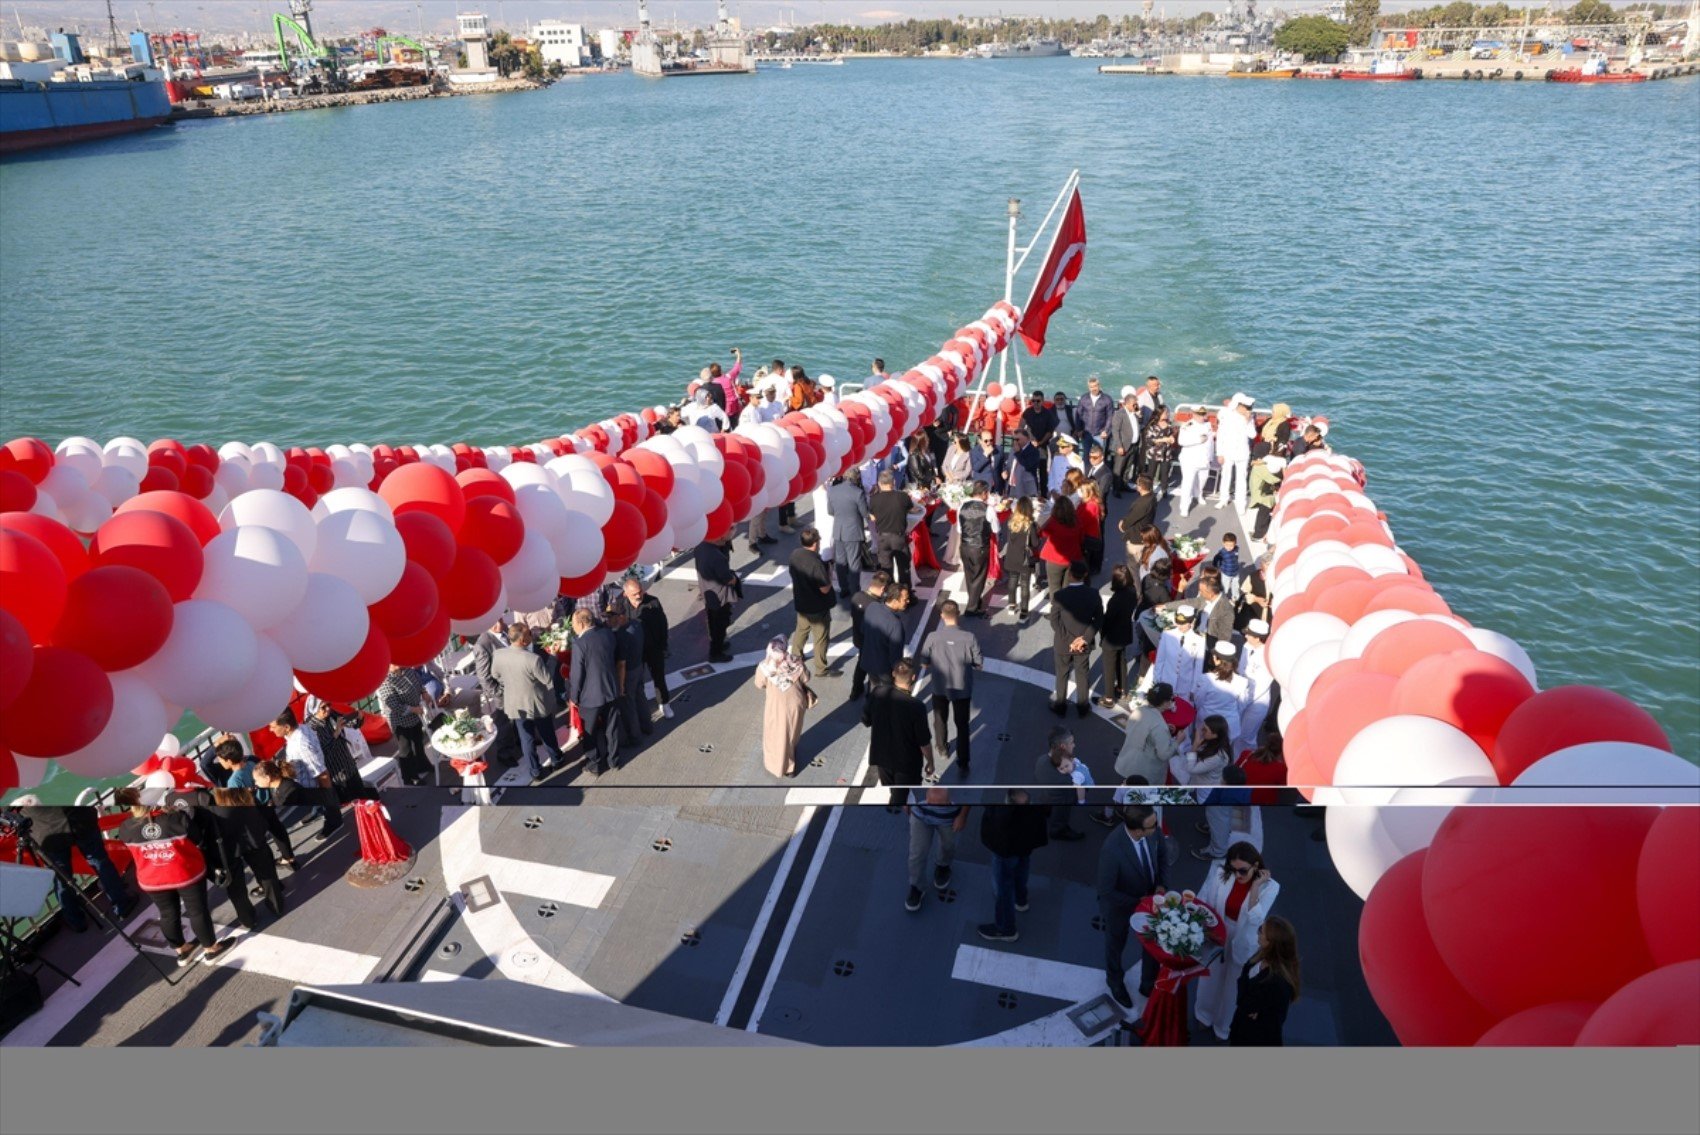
[{"x": 139, "y": 580}]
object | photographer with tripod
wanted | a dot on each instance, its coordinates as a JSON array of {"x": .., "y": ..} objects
[{"x": 58, "y": 832}]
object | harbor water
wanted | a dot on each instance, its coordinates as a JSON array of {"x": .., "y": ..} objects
[{"x": 1491, "y": 289}]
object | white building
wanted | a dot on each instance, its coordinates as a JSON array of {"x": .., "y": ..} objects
[
  {"x": 612, "y": 41},
  {"x": 561, "y": 42}
]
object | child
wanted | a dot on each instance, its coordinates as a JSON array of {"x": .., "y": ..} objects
[
  {"x": 1227, "y": 561},
  {"x": 1125, "y": 794}
]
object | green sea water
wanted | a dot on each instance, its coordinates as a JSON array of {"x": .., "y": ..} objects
[{"x": 1491, "y": 288}]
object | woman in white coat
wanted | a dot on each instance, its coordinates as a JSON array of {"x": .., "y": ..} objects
[
  {"x": 1241, "y": 890},
  {"x": 1224, "y": 692}
]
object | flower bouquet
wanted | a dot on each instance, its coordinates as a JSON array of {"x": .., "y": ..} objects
[
  {"x": 1180, "y": 925},
  {"x": 460, "y": 734},
  {"x": 954, "y": 494},
  {"x": 1161, "y": 797},
  {"x": 557, "y": 639},
  {"x": 1189, "y": 547},
  {"x": 1164, "y": 617}
]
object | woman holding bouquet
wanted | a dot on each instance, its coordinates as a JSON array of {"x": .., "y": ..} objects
[
  {"x": 1243, "y": 891},
  {"x": 785, "y": 679},
  {"x": 1268, "y": 984}
]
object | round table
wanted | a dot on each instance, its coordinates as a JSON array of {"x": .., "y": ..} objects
[
  {"x": 469, "y": 762},
  {"x": 1163, "y": 1024}
]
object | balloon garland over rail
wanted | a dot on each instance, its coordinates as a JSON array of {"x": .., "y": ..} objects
[{"x": 214, "y": 580}]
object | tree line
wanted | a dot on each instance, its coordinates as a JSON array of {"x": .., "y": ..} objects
[{"x": 912, "y": 37}]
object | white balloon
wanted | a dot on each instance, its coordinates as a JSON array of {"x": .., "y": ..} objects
[
  {"x": 1304, "y": 672},
  {"x": 208, "y": 655},
  {"x": 1299, "y": 634},
  {"x": 1378, "y": 560},
  {"x": 169, "y": 744},
  {"x": 117, "y": 484},
  {"x": 542, "y": 510},
  {"x": 138, "y": 714},
  {"x": 470, "y": 627},
  {"x": 527, "y": 473},
  {"x": 1312, "y": 565},
  {"x": 1500, "y": 646},
  {"x": 127, "y": 453},
  {"x": 86, "y": 512},
  {"x": 578, "y": 546},
  {"x": 363, "y": 548},
  {"x": 257, "y": 572},
  {"x": 659, "y": 546},
  {"x": 64, "y": 484},
  {"x": 1365, "y": 840},
  {"x": 327, "y": 628},
  {"x": 266, "y": 476},
  {"x": 356, "y": 499},
  {"x": 1407, "y": 749},
  {"x": 269, "y": 508},
  {"x": 82, "y": 454},
  {"x": 46, "y": 506},
  {"x": 530, "y": 577},
  {"x": 233, "y": 476},
  {"x": 216, "y": 500},
  {"x": 1363, "y": 631},
  {"x": 233, "y": 449},
  {"x": 345, "y": 473},
  {"x": 265, "y": 453},
  {"x": 260, "y": 699},
  {"x": 1641, "y": 773}
]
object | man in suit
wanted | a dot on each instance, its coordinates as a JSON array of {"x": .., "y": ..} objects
[
  {"x": 1077, "y": 616},
  {"x": 628, "y": 666},
  {"x": 1130, "y": 866},
  {"x": 646, "y": 610},
  {"x": 871, "y": 596},
  {"x": 953, "y": 654},
  {"x": 484, "y": 648},
  {"x": 976, "y": 524},
  {"x": 1141, "y": 512},
  {"x": 594, "y": 689},
  {"x": 720, "y": 586},
  {"x": 528, "y": 698},
  {"x": 811, "y": 595},
  {"x": 1150, "y": 400},
  {"x": 883, "y": 635},
  {"x": 1217, "y": 614},
  {"x": 898, "y": 746},
  {"x": 849, "y": 511},
  {"x": 1123, "y": 444},
  {"x": 987, "y": 461},
  {"x": 1027, "y": 467},
  {"x": 1092, "y": 413},
  {"x": 890, "y": 511}
]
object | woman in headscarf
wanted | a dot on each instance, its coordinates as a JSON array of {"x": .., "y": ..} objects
[
  {"x": 785, "y": 679},
  {"x": 1278, "y": 429}
]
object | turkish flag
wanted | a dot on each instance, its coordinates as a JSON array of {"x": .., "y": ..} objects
[{"x": 1062, "y": 266}]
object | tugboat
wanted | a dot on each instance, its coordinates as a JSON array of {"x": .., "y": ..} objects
[
  {"x": 1387, "y": 68},
  {"x": 1594, "y": 70}
]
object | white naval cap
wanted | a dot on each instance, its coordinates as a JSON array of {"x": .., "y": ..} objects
[
  {"x": 1257, "y": 627},
  {"x": 1130, "y": 392},
  {"x": 1185, "y": 611},
  {"x": 1226, "y": 649},
  {"x": 827, "y": 381},
  {"x": 1245, "y": 399}
]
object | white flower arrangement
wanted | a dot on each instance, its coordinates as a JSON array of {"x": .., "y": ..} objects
[
  {"x": 558, "y": 638},
  {"x": 1179, "y": 924},
  {"x": 462, "y": 732},
  {"x": 954, "y": 494},
  {"x": 1189, "y": 547}
]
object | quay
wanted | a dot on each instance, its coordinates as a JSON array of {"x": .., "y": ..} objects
[{"x": 220, "y": 108}]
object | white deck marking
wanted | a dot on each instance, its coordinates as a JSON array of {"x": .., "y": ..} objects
[
  {"x": 1041, "y": 977},
  {"x": 777, "y": 576},
  {"x": 64, "y": 1003},
  {"x": 304, "y": 963},
  {"x": 796, "y": 918},
  {"x": 740, "y": 975}
]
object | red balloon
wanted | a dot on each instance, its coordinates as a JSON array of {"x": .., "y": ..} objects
[
  {"x": 735, "y": 479},
  {"x": 424, "y": 644},
  {"x": 118, "y": 616},
  {"x": 1554, "y": 1025},
  {"x": 1321, "y": 526},
  {"x": 477, "y": 483},
  {"x": 1362, "y": 532},
  {"x": 168, "y": 457},
  {"x": 494, "y": 526},
  {"x": 1417, "y": 598},
  {"x": 423, "y": 487},
  {"x": 1295, "y": 748},
  {"x": 197, "y": 482},
  {"x": 1667, "y": 879},
  {"x": 16, "y": 658},
  {"x": 1340, "y": 710},
  {"x": 27, "y": 456},
  {"x": 17, "y": 492},
  {"x": 656, "y": 470},
  {"x": 1470, "y": 689},
  {"x": 623, "y": 536},
  {"x": 202, "y": 457},
  {"x": 429, "y": 542},
  {"x": 320, "y": 478},
  {"x": 1656, "y": 1010},
  {"x": 624, "y": 480},
  {"x": 1333, "y": 577},
  {"x": 578, "y": 586},
  {"x": 295, "y": 480},
  {"x": 32, "y": 583},
  {"x": 67, "y": 547},
  {"x": 63, "y": 706},
  {"x": 472, "y": 585},
  {"x": 719, "y": 522},
  {"x": 1405, "y": 972},
  {"x": 1348, "y": 600},
  {"x": 1501, "y": 880},
  {"x": 182, "y": 506},
  {"x": 359, "y": 676},
  {"x": 411, "y": 604},
  {"x": 1570, "y": 715},
  {"x": 654, "y": 512},
  {"x": 1403, "y": 645},
  {"x": 160, "y": 545},
  {"x": 159, "y": 479}
]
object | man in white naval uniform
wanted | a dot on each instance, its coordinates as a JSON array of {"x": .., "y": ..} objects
[
  {"x": 1234, "y": 432},
  {"x": 1254, "y": 665},
  {"x": 1180, "y": 656},
  {"x": 1197, "y": 451}
]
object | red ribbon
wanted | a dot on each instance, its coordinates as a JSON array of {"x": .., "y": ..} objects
[{"x": 1163, "y": 1024}]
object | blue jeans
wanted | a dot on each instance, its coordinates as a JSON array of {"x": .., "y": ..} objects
[
  {"x": 1009, "y": 879},
  {"x": 94, "y": 850}
]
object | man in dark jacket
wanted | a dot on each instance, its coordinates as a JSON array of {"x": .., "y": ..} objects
[
  {"x": 952, "y": 654},
  {"x": 883, "y": 635},
  {"x": 61, "y": 831},
  {"x": 594, "y": 689},
  {"x": 1141, "y": 512},
  {"x": 1053, "y": 777},
  {"x": 506, "y": 749},
  {"x": 899, "y": 747},
  {"x": 849, "y": 511},
  {"x": 1092, "y": 413},
  {"x": 1077, "y": 615},
  {"x": 1122, "y": 447},
  {"x": 1012, "y": 832},
  {"x": 975, "y": 524},
  {"x": 871, "y": 596},
  {"x": 646, "y": 610},
  {"x": 988, "y": 463},
  {"x": 889, "y": 508},
  {"x": 1039, "y": 420},
  {"x": 1130, "y": 866},
  {"x": 628, "y": 662},
  {"x": 719, "y": 586},
  {"x": 811, "y": 595},
  {"x": 1028, "y": 467}
]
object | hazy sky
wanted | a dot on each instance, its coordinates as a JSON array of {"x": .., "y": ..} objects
[{"x": 340, "y": 16}]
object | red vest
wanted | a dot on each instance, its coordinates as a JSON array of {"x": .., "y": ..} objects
[{"x": 165, "y": 857}]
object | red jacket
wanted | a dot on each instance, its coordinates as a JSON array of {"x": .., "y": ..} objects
[
  {"x": 1263, "y": 777},
  {"x": 1062, "y": 542},
  {"x": 166, "y": 858}
]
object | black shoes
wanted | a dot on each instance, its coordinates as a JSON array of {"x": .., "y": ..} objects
[
  {"x": 1084, "y": 709},
  {"x": 913, "y": 902},
  {"x": 720, "y": 656},
  {"x": 219, "y": 949},
  {"x": 770, "y": 539},
  {"x": 990, "y": 932},
  {"x": 941, "y": 877},
  {"x": 1068, "y": 835},
  {"x": 1119, "y": 993},
  {"x": 1059, "y": 708}
]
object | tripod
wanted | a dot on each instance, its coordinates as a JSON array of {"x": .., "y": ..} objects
[{"x": 11, "y": 946}]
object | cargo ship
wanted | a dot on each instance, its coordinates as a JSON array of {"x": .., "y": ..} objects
[{"x": 60, "y": 101}]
